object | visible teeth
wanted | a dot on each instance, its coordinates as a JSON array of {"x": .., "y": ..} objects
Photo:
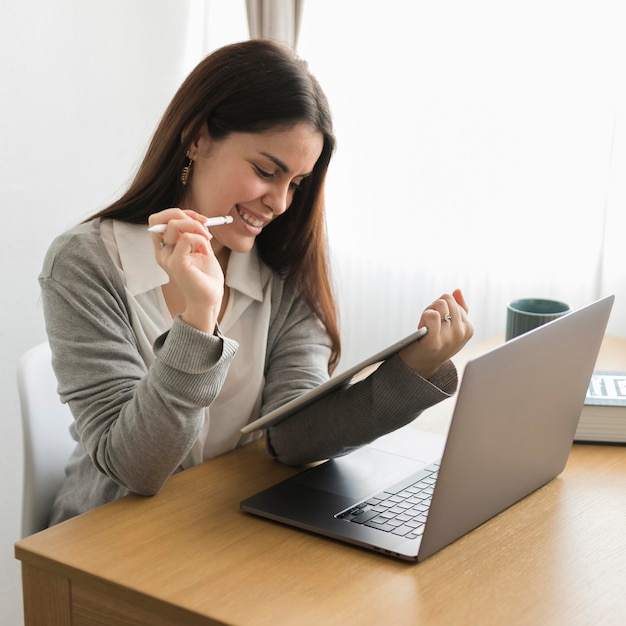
[{"x": 246, "y": 217}]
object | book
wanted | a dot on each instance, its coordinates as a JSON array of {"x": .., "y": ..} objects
[{"x": 603, "y": 417}]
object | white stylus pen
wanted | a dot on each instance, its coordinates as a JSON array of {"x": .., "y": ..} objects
[{"x": 211, "y": 221}]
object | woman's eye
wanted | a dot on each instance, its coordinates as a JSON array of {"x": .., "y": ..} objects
[
  {"x": 263, "y": 174},
  {"x": 296, "y": 186}
]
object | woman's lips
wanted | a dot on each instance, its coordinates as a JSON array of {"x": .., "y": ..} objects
[{"x": 250, "y": 219}]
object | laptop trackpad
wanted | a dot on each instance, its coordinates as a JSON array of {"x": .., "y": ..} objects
[{"x": 359, "y": 474}]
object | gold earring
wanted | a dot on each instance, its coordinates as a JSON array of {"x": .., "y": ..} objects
[{"x": 185, "y": 175}]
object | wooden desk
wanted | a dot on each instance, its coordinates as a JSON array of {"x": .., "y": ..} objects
[{"x": 189, "y": 556}]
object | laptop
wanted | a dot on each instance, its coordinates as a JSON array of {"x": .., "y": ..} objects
[{"x": 513, "y": 425}]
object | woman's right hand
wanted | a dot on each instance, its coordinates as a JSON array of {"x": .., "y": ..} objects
[
  {"x": 449, "y": 329},
  {"x": 184, "y": 252}
]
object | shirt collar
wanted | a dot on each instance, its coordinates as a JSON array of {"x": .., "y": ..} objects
[
  {"x": 245, "y": 273},
  {"x": 134, "y": 246}
]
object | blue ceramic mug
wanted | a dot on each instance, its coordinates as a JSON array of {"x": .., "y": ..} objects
[{"x": 525, "y": 314}]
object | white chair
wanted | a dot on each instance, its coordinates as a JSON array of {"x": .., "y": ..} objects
[{"x": 46, "y": 438}]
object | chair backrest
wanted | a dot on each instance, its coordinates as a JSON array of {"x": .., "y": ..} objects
[{"x": 46, "y": 438}]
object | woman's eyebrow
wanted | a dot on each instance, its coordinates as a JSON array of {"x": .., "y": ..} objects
[
  {"x": 277, "y": 162},
  {"x": 281, "y": 165}
]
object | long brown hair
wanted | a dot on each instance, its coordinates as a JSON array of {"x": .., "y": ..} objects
[{"x": 249, "y": 87}]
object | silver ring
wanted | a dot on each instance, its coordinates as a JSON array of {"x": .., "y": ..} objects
[
  {"x": 447, "y": 318},
  {"x": 162, "y": 244}
]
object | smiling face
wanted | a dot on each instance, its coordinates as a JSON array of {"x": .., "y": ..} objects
[{"x": 251, "y": 177}]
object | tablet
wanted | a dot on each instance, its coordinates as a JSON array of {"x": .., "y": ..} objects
[{"x": 349, "y": 377}]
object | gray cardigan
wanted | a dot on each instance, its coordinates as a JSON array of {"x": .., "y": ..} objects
[{"x": 135, "y": 425}]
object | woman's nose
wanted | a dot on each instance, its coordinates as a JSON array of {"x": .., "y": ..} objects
[{"x": 279, "y": 199}]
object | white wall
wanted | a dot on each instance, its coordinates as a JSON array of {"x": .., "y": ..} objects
[{"x": 82, "y": 86}]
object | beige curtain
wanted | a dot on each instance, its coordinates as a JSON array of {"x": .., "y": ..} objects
[{"x": 275, "y": 19}]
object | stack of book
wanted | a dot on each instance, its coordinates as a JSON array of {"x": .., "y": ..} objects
[{"x": 603, "y": 418}]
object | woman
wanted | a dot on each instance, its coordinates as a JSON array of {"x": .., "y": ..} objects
[{"x": 165, "y": 344}]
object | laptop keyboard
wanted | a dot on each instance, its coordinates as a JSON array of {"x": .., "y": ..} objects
[{"x": 401, "y": 509}]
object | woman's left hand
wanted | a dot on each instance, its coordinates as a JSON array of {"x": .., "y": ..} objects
[{"x": 449, "y": 329}]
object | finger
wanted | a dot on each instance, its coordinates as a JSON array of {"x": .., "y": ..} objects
[
  {"x": 195, "y": 215},
  {"x": 432, "y": 319},
  {"x": 163, "y": 217},
  {"x": 457, "y": 294},
  {"x": 191, "y": 243},
  {"x": 177, "y": 227},
  {"x": 456, "y": 306},
  {"x": 444, "y": 314},
  {"x": 445, "y": 305},
  {"x": 177, "y": 218},
  {"x": 177, "y": 230}
]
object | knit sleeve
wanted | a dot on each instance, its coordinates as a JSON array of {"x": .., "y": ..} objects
[
  {"x": 391, "y": 397},
  {"x": 350, "y": 417}
]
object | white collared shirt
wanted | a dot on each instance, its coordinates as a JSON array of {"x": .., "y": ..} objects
[{"x": 246, "y": 319}]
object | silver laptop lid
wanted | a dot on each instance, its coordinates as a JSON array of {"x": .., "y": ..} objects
[{"x": 514, "y": 422}]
